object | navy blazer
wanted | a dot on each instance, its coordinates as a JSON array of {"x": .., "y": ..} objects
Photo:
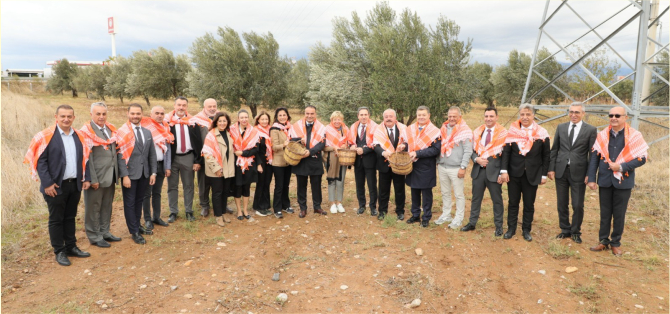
[
  {"x": 423, "y": 175},
  {"x": 606, "y": 176},
  {"x": 51, "y": 164}
]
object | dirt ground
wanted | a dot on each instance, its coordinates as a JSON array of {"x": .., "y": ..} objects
[{"x": 344, "y": 263}]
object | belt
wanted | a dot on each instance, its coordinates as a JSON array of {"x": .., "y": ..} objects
[
  {"x": 69, "y": 180},
  {"x": 159, "y": 161},
  {"x": 184, "y": 154}
]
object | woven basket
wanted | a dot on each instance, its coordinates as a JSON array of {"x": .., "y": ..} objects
[
  {"x": 400, "y": 163},
  {"x": 346, "y": 156},
  {"x": 294, "y": 152}
]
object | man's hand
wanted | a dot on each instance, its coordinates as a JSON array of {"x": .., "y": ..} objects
[
  {"x": 586, "y": 180},
  {"x": 401, "y": 147},
  {"x": 85, "y": 185},
  {"x": 306, "y": 154},
  {"x": 51, "y": 191},
  {"x": 592, "y": 185},
  {"x": 543, "y": 181},
  {"x": 126, "y": 182},
  {"x": 461, "y": 173},
  {"x": 505, "y": 177},
  {"x": 152, "y": 179},
  {"x": 482, "y": 161},
  {"x": 551, "y": 175},
  {"x": 95, "y": 186},
  {"x": 359, "y": 150},
  {"x": 385, "y": 154},
  {"x": 167, "y": 173},
  {"x": 196, "y": 167},
  {"x": 260, "y": 169},
  {"x": 500, "y": 181},
  {"x": 412, "y": 155},
  {"x": 303, "y": 141},
  {"x": 615, "y": 166}
]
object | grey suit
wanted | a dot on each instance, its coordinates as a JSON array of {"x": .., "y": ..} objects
[
  {"x": 204, "y": 186},
  {"x": 570, "y": 178},
  {"x": 141, "y": 165},
  {"x": 98, "y": 203},
  {"x": 482, "y": 179}
]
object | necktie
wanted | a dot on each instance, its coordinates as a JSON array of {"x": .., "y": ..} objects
[
  {"x": 308, "y": 136},
  {"x": 362, "y": 135},
  {"x": 182, "y": 138},
  {"x": 138, "y": 138},
  {"x": 391, "y": 134},
  {"x": 488, "y": 137},
  {"x": 104, "y": 134},
  {"x": 571, "y": 136}
]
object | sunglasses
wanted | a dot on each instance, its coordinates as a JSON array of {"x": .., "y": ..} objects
[{"x": 615, "y": 116}]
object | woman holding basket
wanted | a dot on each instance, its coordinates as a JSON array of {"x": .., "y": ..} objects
[{"x": 336, "y": 138}]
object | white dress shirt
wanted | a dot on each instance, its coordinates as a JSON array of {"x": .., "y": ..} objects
[
  {"x": 177, "y": 138},
  {"x": 574, "y": 136},
  {"x": 70, "y": 154}
]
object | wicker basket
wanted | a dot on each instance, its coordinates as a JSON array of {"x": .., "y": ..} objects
[
  {"x": 346, "y": 157},
  {"x": 294, "y": 152},
  {"x": 400, "y": 163}
]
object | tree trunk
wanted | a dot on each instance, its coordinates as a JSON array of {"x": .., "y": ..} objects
[
  {"x": 254, "y": 109},
  {"x": 103, "y": 97},
  {"x": 121, "y": 98},
  {"x": 74, "y": 93},
  {"x": 147, "y": 100},
  {"x": 410, "y": 120}
]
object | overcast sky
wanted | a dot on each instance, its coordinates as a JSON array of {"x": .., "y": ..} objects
[{"x": 34, "y": 32}]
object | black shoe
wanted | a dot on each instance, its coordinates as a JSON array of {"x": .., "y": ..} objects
[
  {"x": 526, "y": 236},
  {"x": 190, "y": 217},
  {"x": 172, "y": 218},
  {"x": 204, "y": 212},
  {"x": 149, "y": 225},
  {"x": 111, "y": 238},
  {"x": 240, "y": 217},
  {"x": 562, "y": 235},
  {"x": 424, "y": 224},
  {"x": 374, "y": 212},
  {"x": 361, "y": 210},
  {"x": 145, "y": 231},
  {"x": 279, "y": 215},
  {"x": 468, "y": 227},
  {"x": 499, "y": 232},
  {"x": 62, "y": 259},
  {"x": 101, "y": 243},
  {"x": 576, "y": 238},
  {"x": 247, "y": 217},
  {"x": 289, "y": 210},
  {"x": 401, "y": 217},
  {"x": 160, "y": 222},
  {"x": 139, "y": 239},
  {"x": 302, "y": 213},
  {"x": 413, "y": 219},
  {"x": 381, "y": 216},
  {"x": 262, "y": 212},
  {"x": 509, "y": 234},
  {"x": 76, "y": 252}
]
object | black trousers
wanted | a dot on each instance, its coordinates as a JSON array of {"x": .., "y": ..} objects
[
  {"x": 427, "y": 196},
  {"x": 569, "y": 189},
  {"x": 362, "y": 174},
  {"x": 220, "y": 187},
  {"x": 133, "y": 198},
  {"x": 385, "y": 180},
  {"x": 152, "y": 197},
  {"x": 479, "y": 186},
  {"x": 516, "y": 188},
  {"x": 262, "y": 194},
  {"x": 242, "y": 190},
  {"x": 62, "y": 213},
  {"x": 282, "y": 181},
  {"x": 613, "y": 205},
  {"x": 315, "y": 182}
]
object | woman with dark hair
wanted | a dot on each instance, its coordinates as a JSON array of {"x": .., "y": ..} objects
[
  {"x": 219, "y": 163},
  {"x": 262, "y": 194},
  {"x": 245, "y": 141},
  {"x": 280, "y": 168}
]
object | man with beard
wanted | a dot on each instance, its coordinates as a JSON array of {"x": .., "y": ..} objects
[
  {"x": 202, "y": 121},
  {"x": 160, "y": 131}
]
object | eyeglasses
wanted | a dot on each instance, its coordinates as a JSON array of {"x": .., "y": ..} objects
[
  {"x": 615, "y": 116},
  {"x": 575, "y": 112}
]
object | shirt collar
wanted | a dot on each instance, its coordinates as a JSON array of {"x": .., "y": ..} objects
[
  {"x": 578, "y": 124},
  {"x": 134, "y": 125},
  {"x": 61, "y": 132}
]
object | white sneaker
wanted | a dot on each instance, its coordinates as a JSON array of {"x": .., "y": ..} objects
[
  {"x": 454, "y": 225},
  {"x": 443, "y": 219},
  {"x": 333, "y": 209},
  {"x": 340, "y": 208}
]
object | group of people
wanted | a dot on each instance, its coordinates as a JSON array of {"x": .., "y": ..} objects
[{"x": 228, "y": 156}]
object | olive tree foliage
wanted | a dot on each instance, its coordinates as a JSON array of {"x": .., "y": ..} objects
[
  {"x": 391, "y": 61},
  {"x": 509, "y": 79},
  {"x": 661, "y": 97},
  {"x": 297, "y": 82},
  {"x": 157, "y": 74},
  {"x": 599, "y": 64},
  {"x": 82, "y": 80},
  {"x": 115, "y": 85},
  {"x": 481, "y": 72},
  {"x": 91, "y": 80},
  {"x": 237, "y": 72},
  {"x": 63, "y": 74}
]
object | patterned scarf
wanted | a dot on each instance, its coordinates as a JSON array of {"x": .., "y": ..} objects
[
  {"x": 159, "y": 131},
  {"x": 125, "y": 141},
  {"x": 93, "y": 139},
  {"x": 211, "y": 147},
  {"x": 634, "y": 147},
  {"x": 299, "y": 129},
  {"x": 246, "y": 142},
  {"x": 40, "y": 142},
  {"x": 172, "y": 119},
  {"x": 369, "y": 132},
  {"x": 495, "y": 146},
  {"x": 381, "y": 137},
  {"x": 459, "y": 133},
  {"x": 521, "y": 137},
  {"x": 264, "y": 132},
  {"x": 418, "y": 140},
  {"x": 335, "y": 138},
  {"x": 201, "y": 119},
  {"x": 286, "y": 128}
]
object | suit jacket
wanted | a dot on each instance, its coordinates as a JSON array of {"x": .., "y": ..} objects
[
  {"x": 51, "y": 164},
  {"x": 196, "y": 143},
  {"x": 103, "y": 163},
  {"x": 578, "y": 153},
  {"x": 382, "y": 163},
  {"x": 535, "y": 163},
  {"x": 312, "y": 165},
  {"x": 492, "y": 168},
  {"x": 141, "y": 161},
  {"x": 424, "y": 173},
  {"x": 606, "y": 176},
  {"x": 368, "y": 159}
]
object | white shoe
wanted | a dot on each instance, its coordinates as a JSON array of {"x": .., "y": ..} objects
[
  {"x": 443, "y": 219},
  {"x": 333, "y": 209},
  {"x": 454, "y": 225},
  {"x": 340, "y": 208}
]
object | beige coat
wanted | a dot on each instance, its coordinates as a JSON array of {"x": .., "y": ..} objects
[
  {"x": 278, "y": 138},
  {"x": 212, "y": 166}
]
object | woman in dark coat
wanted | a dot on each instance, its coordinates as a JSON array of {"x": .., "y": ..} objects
[
  {"x": 262, "y": 194},
  {"x": 245, "y": 141}
]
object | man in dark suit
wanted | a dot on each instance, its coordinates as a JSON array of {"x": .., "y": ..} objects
[
  {"x": 202, "y": 123},
  {"x": 62, "y": 177},
  {"x": 390, "y": 137},
  {"x": 137, "y": 169},
  {"x": 99, "y": 198},
  {"x": 618, "y": 150},
  {"x": 525, "y": 164},
  {"x": 152, "y": 198},
  {"x": 423, "y": 144},
  {"x": 569, "y": 162},
  {"x": 360, "y": 136},
  {"x": 488, "y": 144}
]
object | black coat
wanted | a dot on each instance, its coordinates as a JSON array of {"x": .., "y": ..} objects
[
  {"x": 424, "y": 170},
  {"x": 51, "y": 164},
  {"x": 382, "y": 163},
  {"x": 368, "y": 159},
  {"x": 196, "y": 143},
  {"x": 312, "y": 165},
  {"x": 535, "y": 163}
]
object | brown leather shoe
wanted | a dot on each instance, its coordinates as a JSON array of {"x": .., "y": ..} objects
[
  {"x": 302, "y": 213},
  {"x": 617, "y": 251},
  {"x": 599, "y": 247},
  {"x": 320, "y": 212}
]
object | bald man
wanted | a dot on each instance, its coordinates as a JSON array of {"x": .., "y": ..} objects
[{"x": 203, "y": 121}]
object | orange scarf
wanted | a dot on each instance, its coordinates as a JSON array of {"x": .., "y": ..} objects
[
  {"x": 40, "y": 142},
  {"x": 335, "y": 138},
  {"x": 242, "y": 143},
  {"x": 264, "y": 132},
  {"x": 634, "y": 147},
  {"x": 381, "y": 137},
  {"x": 521, "y": 137},
  {"x": 369, "y": 132},
  {"x": 159, "y": 131},
  {"x": 201, "y": 119},
  {"x": 211, "y": 146},
  {"x": 299, "y": 129},
  {"x": 125, "y": 141},
  {"x": 495, "y": 146},
  {"x": 421, "y": 140},
  {"x": 172, "y": 119},
  {"x": 459, "y": 133},
  {"x": 93, "y": 139},
  {"x": 284, "y": 128}
]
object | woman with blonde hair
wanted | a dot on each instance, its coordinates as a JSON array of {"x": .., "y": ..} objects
[
  {"x": 336, "y": 138},
  {"x": 245, "y": 141}
]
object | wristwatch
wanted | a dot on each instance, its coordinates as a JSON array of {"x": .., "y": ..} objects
[{"x": 462, "y": 168}]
